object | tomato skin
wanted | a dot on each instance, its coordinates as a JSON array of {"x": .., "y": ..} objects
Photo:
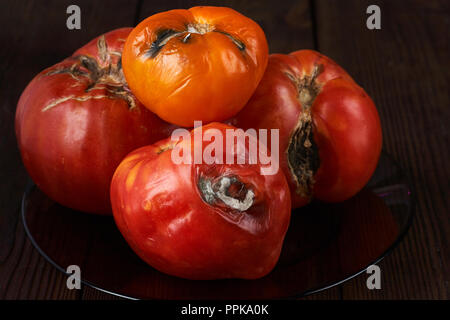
[
  {"x": 198, "y": 64},
  {"x": 159, "y": 208},
  {"x": 345, "y": 123},
  {"x": 74, "y": 129}
]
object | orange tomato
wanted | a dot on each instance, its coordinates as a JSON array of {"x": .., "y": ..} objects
[{"x": 203, "y": 63}]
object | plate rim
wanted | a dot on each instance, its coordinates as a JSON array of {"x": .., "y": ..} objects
[{"x": 412, "y": 212}]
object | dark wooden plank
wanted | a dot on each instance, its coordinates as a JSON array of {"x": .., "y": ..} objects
[
  {"x": 287, "y": 24},
  {"x": 329, "y": 294},
  {"x": 36, "y": 37},
  {"x": 94, "y": 294},
  {"x": 402, "y": 66},
  {"x": 26, "y": 275}
]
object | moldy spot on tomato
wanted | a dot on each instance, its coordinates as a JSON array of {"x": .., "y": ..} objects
[
  {"x": 106, "y": 76},
  {"x": 147, "y": 205},
  {"x": 164, "y": 35},
  {"x": 302, "y": 151},
  {"x": 227, "y": 192}
]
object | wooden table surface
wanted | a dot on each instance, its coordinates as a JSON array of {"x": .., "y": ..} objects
[{"x": 404, "y": 67}]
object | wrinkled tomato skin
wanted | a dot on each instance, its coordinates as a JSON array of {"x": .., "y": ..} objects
[
  {"x": 198, "y": 64},
  {"x": 72, "y": 133},
  {"x": 346, "y": 125},
  {"x": 158, "y": 208}
]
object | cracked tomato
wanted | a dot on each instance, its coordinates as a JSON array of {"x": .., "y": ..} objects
[
  {"x": 76, "y": 121},
  {"x": 198, "y": 64},
  {"x": 330, "y": 132},
  {"x": 202, "y": 219}
]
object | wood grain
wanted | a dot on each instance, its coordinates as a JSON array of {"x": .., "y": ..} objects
[
  {"x": 287, "y": 24},
  {"x": 402, "y": 67},
  {"x": 36, "y": 38}
]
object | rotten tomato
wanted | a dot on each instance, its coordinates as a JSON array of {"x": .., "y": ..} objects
[
  {"x": 330, "y": 132},
  {"x": 76, "y": 120},
  {"x": 202, "y": 220}
]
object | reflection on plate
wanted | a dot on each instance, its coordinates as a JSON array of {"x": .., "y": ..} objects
[{"x": 326, "y": 244}]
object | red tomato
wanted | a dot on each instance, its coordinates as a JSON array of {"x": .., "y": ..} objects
[
  {"x": 200, "y": 221},
  {"x": 77, "y": 120},
  {"x": 330, "y": 132}
]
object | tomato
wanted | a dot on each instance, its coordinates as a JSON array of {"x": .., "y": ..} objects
[
  {"x": 77, "y": 120},
  {"x": 330, "y": 132},
  {"x": 198, "y": 64},
  {"x": 201, "y": 221}
]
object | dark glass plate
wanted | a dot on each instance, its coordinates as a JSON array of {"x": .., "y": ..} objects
[{"x": 326, "y": 244}]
